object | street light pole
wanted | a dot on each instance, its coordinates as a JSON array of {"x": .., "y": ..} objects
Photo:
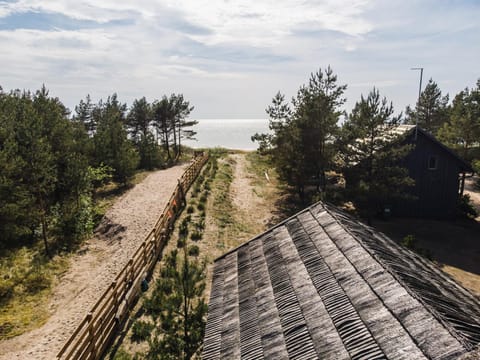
[{"x": 418, "y": 102}]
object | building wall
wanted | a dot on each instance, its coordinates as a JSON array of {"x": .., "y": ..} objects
[{"x": 436, "y": 189}]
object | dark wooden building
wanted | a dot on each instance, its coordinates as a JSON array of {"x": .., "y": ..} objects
[
  {"x": 321, "y": 285},
  {"x": 439, "y": 176}
]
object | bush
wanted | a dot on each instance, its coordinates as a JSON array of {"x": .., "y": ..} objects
[
  {"x": 465, "y": 207},
  {"x": 141, "y": 330},
  {"x": 409, "y": 242},
  {"x": 180, "y": 243},
  {"x": 196, "y": 235},
  {"x": 190, "y": 209},
  {"x": 183, "y": 229},
  {"x": 193, "y": 250},
  {"x": 201, "y": 207},
  {"x": 200, "y": 225},
  {"x": 203, "y": 198}
]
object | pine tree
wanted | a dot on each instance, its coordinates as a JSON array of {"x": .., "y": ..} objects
[
  {"x": 462, "y": 131},
  {"x": 177, "y": 309},
  {"x": 170, "y": 119},
  {"x": 372, "y": 154},
  {"x": 139, "y": 124},
  {"x": 112, "y": 146},
  {"x": 301, "y": 143},
  {"x": 84, "y": 115},
  {"x": 16, "y": 201},
  {"x": 431, "y": 111}
]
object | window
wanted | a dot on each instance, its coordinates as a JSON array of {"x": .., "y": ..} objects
[{"x": 432, "y": 163}]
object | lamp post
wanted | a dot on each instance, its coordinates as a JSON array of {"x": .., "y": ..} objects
[{"x": 418, "y": 101}]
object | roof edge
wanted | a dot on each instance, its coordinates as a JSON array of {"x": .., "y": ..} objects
[{"x": 467, "y": 167}]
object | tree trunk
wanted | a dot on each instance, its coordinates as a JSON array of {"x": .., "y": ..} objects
[{"x": 44, "y": 234}]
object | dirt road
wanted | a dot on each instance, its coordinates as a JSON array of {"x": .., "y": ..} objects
[{"x": 95, "y": 265}]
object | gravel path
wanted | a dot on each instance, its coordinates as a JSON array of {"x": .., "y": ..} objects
[{"x": 95, "y": 265}]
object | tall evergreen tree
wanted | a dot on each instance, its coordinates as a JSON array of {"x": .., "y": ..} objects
[
  {"x": 301, "y": 143},
  {"x": 372, "y": 153},
  {"x": 462, "y": 131},
  {"x": 139, "y": 123},
  {"x": 112, "y": 146},
  {"x": 83, "y": 114},
  {"x": 431, "y": 110},
  {"x": 181, "y": 110},
  {"x": 162, "y": 117},
  {"x": 44, "y": 168},
  {"x": 170, "y": 119},
  {"x": 17, "y": 221},
  {"x": 139, "y": 119}
]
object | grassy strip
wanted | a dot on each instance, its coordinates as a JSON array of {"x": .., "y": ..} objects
[{"x": 25, "y": 287}]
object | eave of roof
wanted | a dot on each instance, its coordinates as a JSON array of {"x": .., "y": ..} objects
[
  {"x": 466, "y": 167},
  {"x": 320, "y": 284}
]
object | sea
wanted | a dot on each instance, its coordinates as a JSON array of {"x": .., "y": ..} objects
[{"x": 227, "y": 133}]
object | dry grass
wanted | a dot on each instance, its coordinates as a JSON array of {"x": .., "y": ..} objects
[{"x": 25, "y": 286}]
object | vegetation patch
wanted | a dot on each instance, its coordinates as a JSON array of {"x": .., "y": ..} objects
[{"x": 25, "y": 286}]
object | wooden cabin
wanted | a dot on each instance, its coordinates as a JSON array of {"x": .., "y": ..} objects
[
  {"x": 322, "y": 285},
  {"x": 439, "y": 176},
  {"x": 438, "y": 172}
]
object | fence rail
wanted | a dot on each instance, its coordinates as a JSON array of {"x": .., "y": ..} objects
[{"x": 95, "y": 332}]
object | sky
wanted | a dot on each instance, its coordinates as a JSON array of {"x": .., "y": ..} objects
[{"x": 229, "y": 58}]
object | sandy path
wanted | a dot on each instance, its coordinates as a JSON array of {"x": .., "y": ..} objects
[
  {"x": 256, "y": 211},
  {"x": 474, "y": 193},
  {"x": 95, "y": 266}
]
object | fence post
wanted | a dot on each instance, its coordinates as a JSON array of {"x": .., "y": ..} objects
[
  {"x": 114, "y": 290},
  {"x": 182, "y": 193},
  {"x": 144, "y": 252},
  {"x": 91, "y": 336}
]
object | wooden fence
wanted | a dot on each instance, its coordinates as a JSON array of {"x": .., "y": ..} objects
[{"x": 96, "y": 331}]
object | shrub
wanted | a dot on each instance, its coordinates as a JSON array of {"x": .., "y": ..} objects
[
  {"x": 196, "y": 235},
  {"x": 409, "y": 242},
  {"x": 201, "y": 207},
  {"x": 200, "y": 225},
  {"x": 183, "y": 229},
  {"x": 141, "y": 330},
  {"x": 180, "y": 243},
  {"x": 466, "y": 208},
  {"x": 193, "y": 250},
  {"x": 203, "y": 198},
  {"x": 190, "y": 209}
]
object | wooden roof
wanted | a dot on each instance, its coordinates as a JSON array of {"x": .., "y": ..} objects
[{"x": 323, "y": 285}]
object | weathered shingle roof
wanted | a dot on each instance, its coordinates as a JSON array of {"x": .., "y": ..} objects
[{"x": 323, "y": 285}]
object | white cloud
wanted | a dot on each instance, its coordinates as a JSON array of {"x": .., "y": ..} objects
[{"x": 220, "y": 51}]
